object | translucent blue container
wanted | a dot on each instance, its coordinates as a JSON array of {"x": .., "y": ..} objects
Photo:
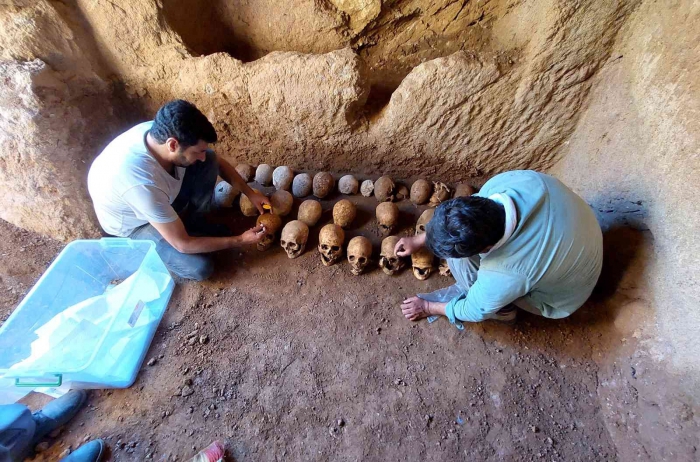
[{"x": 90, "y": 318}]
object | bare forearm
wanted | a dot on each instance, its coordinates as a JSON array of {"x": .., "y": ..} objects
[
  {"x": 436, "y": 308},
  {"x": 419, "y": 240},
  {"x": 206, "y": 244}
]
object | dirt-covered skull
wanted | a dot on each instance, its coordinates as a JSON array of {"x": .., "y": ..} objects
[
  {"x": 359, "y": 254},
  {"x": 388, "y": 260},
  {"x": 282, "y": 177},
  {"x": 225, "y": 194},
  {"x": 310, "y": 212},
  {"x": 295, "y": 234},
  {"x": 344, "y": 213},
  {"x": 422, "y": 263},
  {"x": 248, "y": 209},
  {"x": 444, "y": 268},
  {"x": 387, "y": 217},
  {"x": 441, "y": 192},
  {"x": 246, "y": 171},
  {"x": 302, "y": 185},
  {"x": 348, "y": 184},
  {"x": 330, "y": 244},
  {"x": 282, "y": 202},
  {"x": 420, "y": 191},
  {"x": 384, "y": 189},
  {"x": 463, "y": 190},
  {"x": 263, "y": 174},
  {"x": 423, "y": 220},
  {"x": 272, "y": 224},
  {"x": 323, "y": 184}
]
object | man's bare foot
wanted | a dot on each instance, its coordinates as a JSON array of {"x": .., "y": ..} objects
[{"x": 415, "y": 308}]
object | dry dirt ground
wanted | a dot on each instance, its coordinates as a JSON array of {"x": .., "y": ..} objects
[{"x": 298, "y": 361}]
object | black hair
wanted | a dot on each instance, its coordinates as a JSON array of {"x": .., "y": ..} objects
[
  {"x": 182, "y": 120},
  {"x": 465, "y": 226}
]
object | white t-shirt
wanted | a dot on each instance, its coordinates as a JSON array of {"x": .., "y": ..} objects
[{"x": 128, "y": 186}]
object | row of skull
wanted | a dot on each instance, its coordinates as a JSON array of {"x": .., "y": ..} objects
[
  {"x": 322, "y": 184},
  {"x": 295, "y": 235}
]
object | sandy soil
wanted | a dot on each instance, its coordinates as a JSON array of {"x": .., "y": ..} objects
[{"x": 297, "y": 361}]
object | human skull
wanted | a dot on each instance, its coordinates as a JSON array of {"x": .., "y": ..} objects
[
  {"x": 247, "y": 207},
  {"x": 367, "y": 188},
  {"x": 302, "y": 184},
  {"x": 263, "y": 175},
  {"x": 444, "y": 268},
  {"x": 422, "y": 263},
  {"x": 294, "y": 237},
  {"x": 330, "y": 244},
  {"x": 272, "y": 224},
  {"x": 384, "y": 189},
  {"x": 246, "y": 171},
  {"x": 344, "y": 213},
  {"x": 463, "y": 190},
  {"x": 402, "y": 192},
  {"x": 282, "y": 202},
  {"x": 225, "y": 194},
  {"x": 282, "y": 178},
  {"x": 348, "y": 185},
  {"x": 387, "y": 217},
  {"x": 423, "y": 220},
  {"x": 388, "y": 260},
  {"x": 323, "y": 184},
  {"x": 420, "y": 191},
  {"x": 310, "y": 212},
  {"x": 441, "y": 192},
  {"x": 359, "y": 254}
]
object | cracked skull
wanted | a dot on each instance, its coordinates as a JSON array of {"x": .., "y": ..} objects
[
  {"x": 294, "y": 237},
  {"x": 384, "y": 189},
  {"x": 387, "y": 217},
  {"x": 388, "y": 260},
  {"x": 359, "y": 254},
  {"x": 441, "y": 192},
  {"x": 330, "y": 244},
  {"x": 422, "y": 263},
  {"x": 423, "y": 220},
  {"x": 272, "y": 224}
]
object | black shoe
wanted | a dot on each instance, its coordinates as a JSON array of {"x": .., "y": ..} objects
[
  {"x": 57, "y": 413},
  {"x": 88, "y": 452}
]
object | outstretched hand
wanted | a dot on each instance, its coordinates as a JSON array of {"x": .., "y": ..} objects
[{"x": 415, "y": 308}]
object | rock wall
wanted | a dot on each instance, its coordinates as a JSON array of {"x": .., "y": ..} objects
[{"x": 634, "y": 156}]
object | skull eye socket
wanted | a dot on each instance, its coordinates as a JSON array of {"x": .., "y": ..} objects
[
  {"x": 421, "y": 271},
  {"x": 335, "y": 248},
  {"x": 293, "y": 245},
  {"x": 351, "y": 258},
  {"x": 324, "y": 246},
  {"x": 393, "y": 260},
  {"x": 283, "y": 243},
  {"x": 362, "y": 260}
]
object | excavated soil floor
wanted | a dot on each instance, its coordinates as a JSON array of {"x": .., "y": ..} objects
[{"x": 305, "y": 362}]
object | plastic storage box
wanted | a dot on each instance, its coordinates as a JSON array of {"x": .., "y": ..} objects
[{"x": 90, "y": 318}]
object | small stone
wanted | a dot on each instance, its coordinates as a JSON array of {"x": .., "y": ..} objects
[
  {"x": 152, "y": 362},
  {"x": 367, "y": 188},
  {"x": 192, "y": 341},
  {"x": 340, "y": 422},
  {"x": 65, "y": 453},
  {"x": 203, "y": 339},
  {"x": 187, "y": 390},
  {"x": 534, "y": 429}
]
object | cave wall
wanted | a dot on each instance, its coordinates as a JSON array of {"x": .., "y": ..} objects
[{"x": 635, "y": 157}]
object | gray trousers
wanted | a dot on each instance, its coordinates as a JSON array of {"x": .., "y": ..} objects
[{"x": 195, "y": 199}]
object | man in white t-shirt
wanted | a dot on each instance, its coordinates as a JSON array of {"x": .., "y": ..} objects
[{"x": 150, "y": 174}]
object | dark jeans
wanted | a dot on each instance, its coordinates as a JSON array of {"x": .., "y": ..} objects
[{"x": 194, "y": 200}]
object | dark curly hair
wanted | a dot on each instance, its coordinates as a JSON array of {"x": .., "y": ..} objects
[
  {"x": 182, "y": 120},
  {"x": 465, "y": 226}
]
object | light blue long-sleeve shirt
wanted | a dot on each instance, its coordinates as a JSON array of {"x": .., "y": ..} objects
[{"x": 552, "y": 260}]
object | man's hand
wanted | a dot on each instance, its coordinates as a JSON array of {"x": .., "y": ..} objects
[
  {"x": 252, "y": 236},
  {"x": 258, "y": 199},
  {"x": 415, "y": 308},
  {"x": 406, "y": 246}
]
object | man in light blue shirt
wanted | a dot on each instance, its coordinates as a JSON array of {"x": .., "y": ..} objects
[{"x": 525, "y": 239}]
